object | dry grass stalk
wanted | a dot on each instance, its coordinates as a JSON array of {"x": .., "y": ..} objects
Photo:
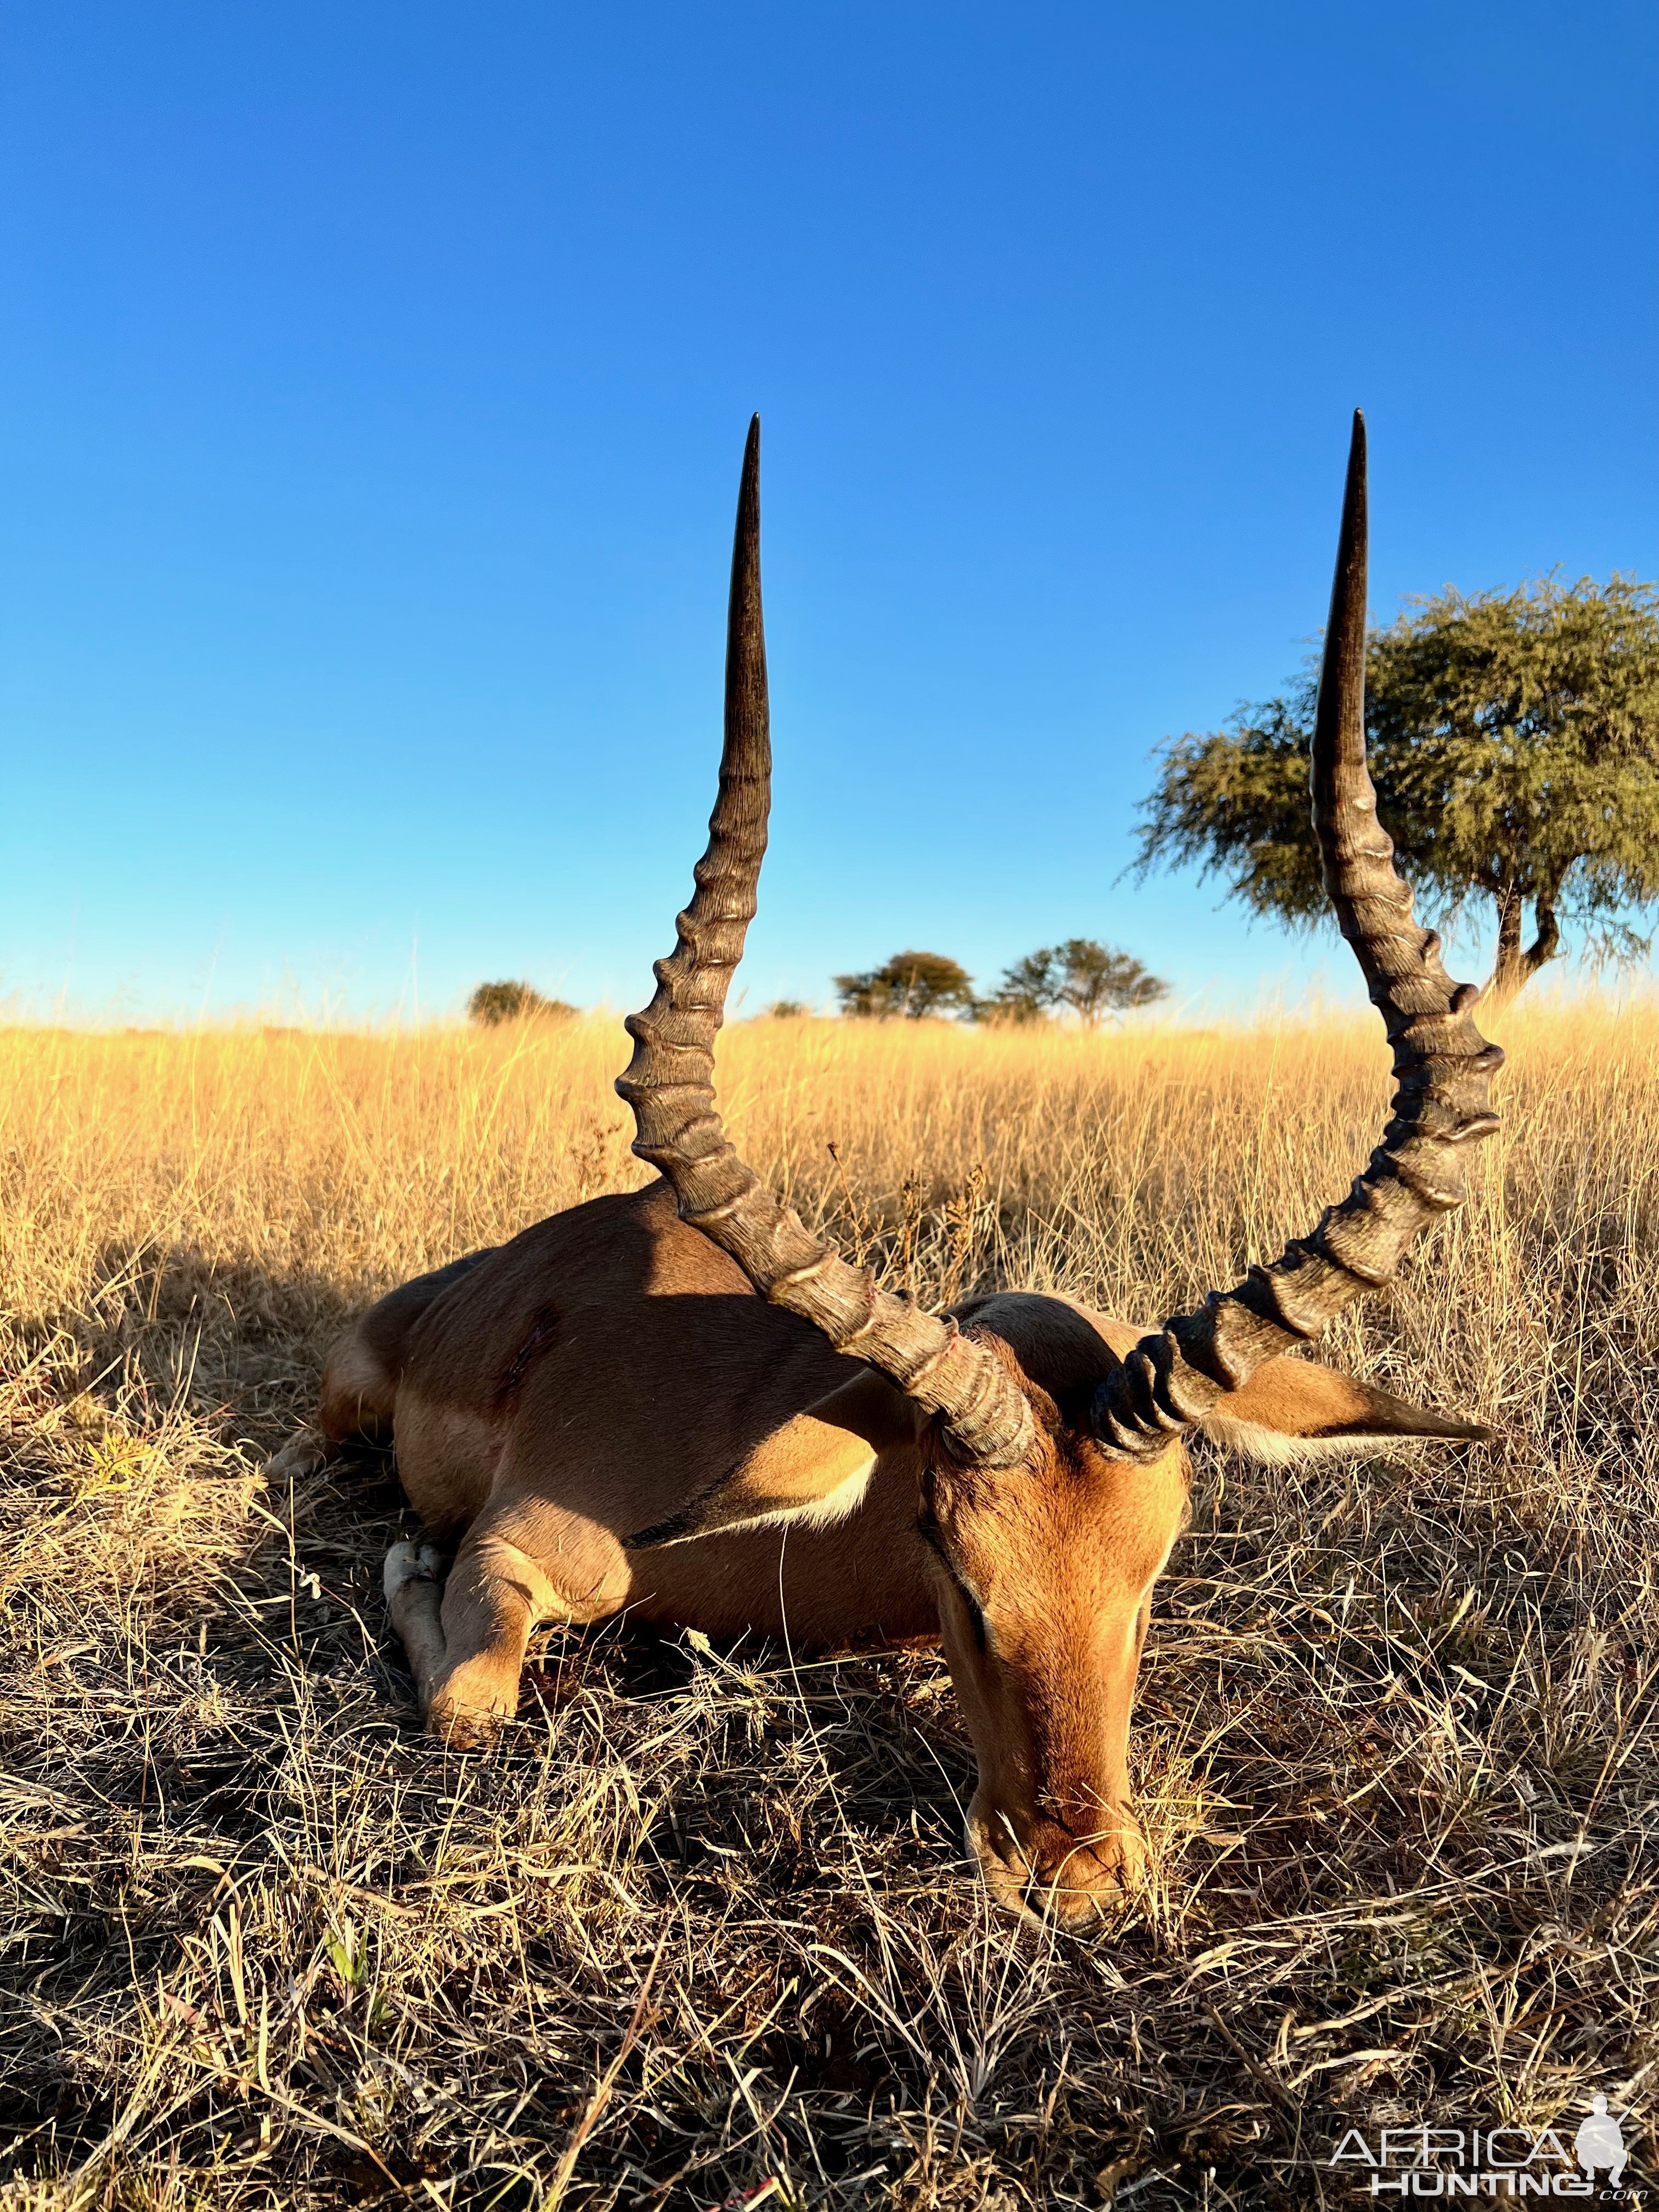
[{"x": 264, "y": 1947}]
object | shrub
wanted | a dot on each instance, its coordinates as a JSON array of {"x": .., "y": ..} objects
[{"x": 492, "y": 1004}]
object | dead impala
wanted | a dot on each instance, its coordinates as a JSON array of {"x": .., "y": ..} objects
[{"x": 646, "y": 1401}]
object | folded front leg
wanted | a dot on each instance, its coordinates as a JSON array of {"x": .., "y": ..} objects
[
  {"x": 494, "y": 1598},
  {"x": 467, "y": 1651}
]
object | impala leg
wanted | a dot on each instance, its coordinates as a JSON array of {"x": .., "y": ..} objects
[
  {"x": 465, "y": 1638},
  {"x": 494, "y": 1598},
  {"x": 411, "y": 1580}
]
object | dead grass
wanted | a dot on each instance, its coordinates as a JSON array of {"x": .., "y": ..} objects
[{"x": 702, "y": 1925}]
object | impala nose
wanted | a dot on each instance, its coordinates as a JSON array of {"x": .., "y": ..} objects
[
  {"x": 1049, "y": 1872},
  {"x": 1078, "y": 1885}
]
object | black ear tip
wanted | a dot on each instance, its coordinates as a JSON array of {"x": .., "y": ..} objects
[
  {"x": 1466, "y": 1432},
  {"x": 1462, "y": 1432}
]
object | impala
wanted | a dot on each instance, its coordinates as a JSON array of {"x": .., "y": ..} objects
[{"x": 681, "y": 1401}]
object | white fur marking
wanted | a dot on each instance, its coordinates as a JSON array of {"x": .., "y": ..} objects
[
  {"x": 1271, "y": 1448},
  {"x": 823, "y": 1512}
]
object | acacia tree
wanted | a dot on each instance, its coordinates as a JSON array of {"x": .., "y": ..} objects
[
  {"x": 915, "y": 984},
  {"x": 1515, "y": 748},
  {"x": 1093, "y": 980}
]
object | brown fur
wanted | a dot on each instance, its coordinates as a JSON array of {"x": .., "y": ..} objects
[{"x": 603, "y": 1414}]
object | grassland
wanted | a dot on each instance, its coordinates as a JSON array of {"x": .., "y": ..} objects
[{"x": 702, "y": 1925}]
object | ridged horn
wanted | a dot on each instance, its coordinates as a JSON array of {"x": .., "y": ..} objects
[
  {"x": 1442, "y": 1069},
  {"x": 670, "y": 1083}
]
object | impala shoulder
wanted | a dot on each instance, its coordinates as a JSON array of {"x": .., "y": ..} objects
[{"x": 814, "y": 1468}]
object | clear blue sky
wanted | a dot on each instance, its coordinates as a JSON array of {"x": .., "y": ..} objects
[{"x": 373, "y": 386}]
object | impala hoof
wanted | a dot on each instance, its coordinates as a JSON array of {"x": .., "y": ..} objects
[
  {"x": 472, "y": 1704},
  {"x": 303, "y": 1454},
  {"x": 409, "y": 1563}
]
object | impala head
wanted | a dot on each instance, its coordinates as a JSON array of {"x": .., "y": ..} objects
[
  {"x": 1048, "y": 1443},
  {"x": 1042, "y": 1582}
]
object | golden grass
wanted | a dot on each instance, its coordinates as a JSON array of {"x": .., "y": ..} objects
[{"x": 701, "y": 1924}]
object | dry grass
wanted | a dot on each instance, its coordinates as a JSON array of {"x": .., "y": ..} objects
[{"x": 701, "y": 1923}]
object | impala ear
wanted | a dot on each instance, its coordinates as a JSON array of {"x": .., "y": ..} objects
[
  {"x": 815, "y": 1469},
  {"x": 1289, "y": 1407}
]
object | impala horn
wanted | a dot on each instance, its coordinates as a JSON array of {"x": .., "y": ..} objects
[
  {"x": 670, "y": 1083},
  {"x": 1442, "y": 1068}
]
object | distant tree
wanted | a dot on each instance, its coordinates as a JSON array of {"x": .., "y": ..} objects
[
  {"x": 1515, "y": 748},
  {"x": 786, "y": 1009},
  {"x": 492, "y": 1004},
  {"x": 1021, "y": 998},
  {"x": 910, "y": 983},
  {"x": 1089, "y": 979}
]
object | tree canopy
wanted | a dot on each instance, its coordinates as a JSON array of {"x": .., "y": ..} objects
[
  {"x": 1089, "y": 979},
  {"x": 1515, "y": 748},
  {"x": 915, "y": 984}
]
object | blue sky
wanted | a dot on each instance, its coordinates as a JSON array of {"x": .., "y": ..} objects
[{"x": 373, "y": 386}]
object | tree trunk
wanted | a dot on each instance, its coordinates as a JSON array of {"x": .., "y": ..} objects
[{"x": 1514, "y": 966}]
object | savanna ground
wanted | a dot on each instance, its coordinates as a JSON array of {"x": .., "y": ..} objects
[{"x": 700, "y": 1927}]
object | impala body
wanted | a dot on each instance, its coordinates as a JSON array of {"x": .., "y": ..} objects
[{"x": 680, "y": 1402}]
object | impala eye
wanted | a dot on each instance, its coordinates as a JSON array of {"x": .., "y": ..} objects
[
  {"x": 934, "y": 1536},
  {"x": 975, "y": 1616}
]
